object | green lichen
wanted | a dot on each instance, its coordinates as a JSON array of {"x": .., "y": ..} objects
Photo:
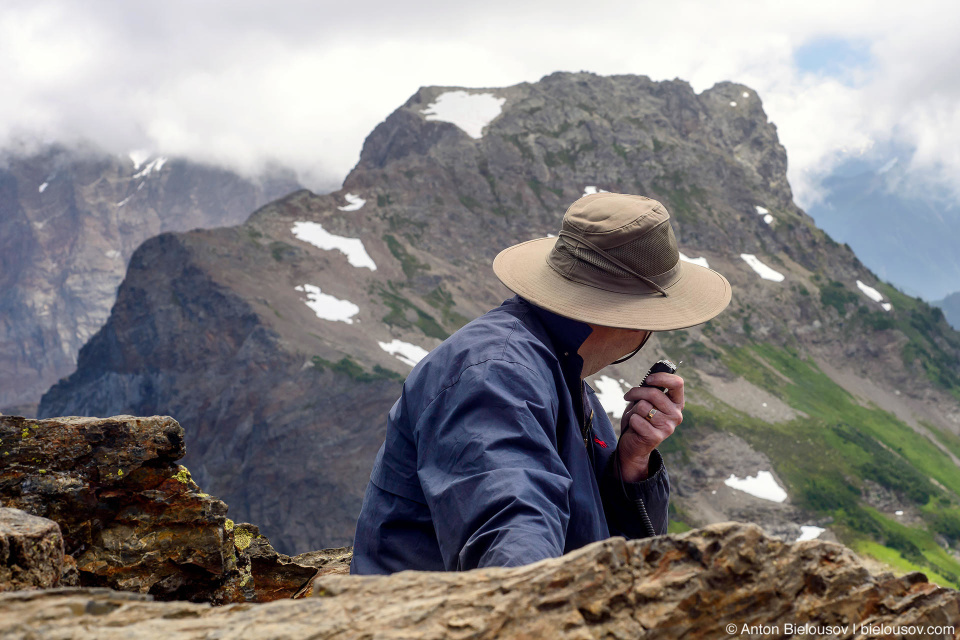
[
  {"x": 25, "y": 433},
  {"x": 242, "y": 539},
  {"x": 41, "y": 470},
  {"x": 119, "y": 472},
  {"x": 228, "y": 525}
]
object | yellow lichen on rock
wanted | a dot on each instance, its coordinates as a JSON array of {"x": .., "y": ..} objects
[
  {"x": 183, "y": 475},
  {"x": 228, "y": 525},
  {"x": 242, "y": 539}
]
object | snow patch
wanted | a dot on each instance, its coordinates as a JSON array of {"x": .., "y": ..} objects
[
  {"x": 138, "y": 157},
  {"x": 762, "y": 270},
  {"x": 761, "y": 211},
  {"x": 316, "y": 235},
  {"x": 405, "y": 352},
  {"x": 768, "y": 218},
  {"x": 124, "y": 201},
  {"x": 746, "y": 95},
  {"x": 870, "y": 292},
  {"x": 156, "y": 165},
  {"x": 354, "y": 202},
  {"x": 326, "y": 306},
  {"x": 763, "y": 485},
  {"x": 590, "y": 190},
  {"x": 809, "y": 532},
  {"x": 898, "y": 513},
  {"x": 701, "y": 261},
  {"x": 610, "y": 394},
  {"x": 732, "y": 103},
  {"x": 43, "y": 187},
  {"x": 886, "y": 306},
  {"x": 113, "y": 254},
  {"x": 469, "y": 111}
]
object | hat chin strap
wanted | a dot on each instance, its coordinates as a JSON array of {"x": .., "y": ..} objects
[{"x": 635, "y": 351}]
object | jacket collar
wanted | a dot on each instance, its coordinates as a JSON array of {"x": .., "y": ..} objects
[{"x": 567, "y": 336}]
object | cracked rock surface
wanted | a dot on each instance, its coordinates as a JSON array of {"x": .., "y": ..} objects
[{"x": 690, "y": 585}]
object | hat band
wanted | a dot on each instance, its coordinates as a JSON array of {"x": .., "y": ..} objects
[{"x": 572, "y": 268}]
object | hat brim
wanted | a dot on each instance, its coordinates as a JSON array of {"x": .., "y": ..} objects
[{"x": 696, "y": 296}]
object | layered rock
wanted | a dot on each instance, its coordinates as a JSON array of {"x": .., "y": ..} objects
[
  {"x": 728, "y": 580},
  {"x": 132, "y": 519},
  {"x": 69, "y": 221},
  {"x": 31, "y": 551}
]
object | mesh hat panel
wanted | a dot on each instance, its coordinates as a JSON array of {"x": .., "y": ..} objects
[{"x": 652, "y": 254}]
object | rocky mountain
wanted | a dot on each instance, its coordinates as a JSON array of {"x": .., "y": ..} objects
[
  {"x": 69, "y": 221},
  {"x": 822, "y": 402}
]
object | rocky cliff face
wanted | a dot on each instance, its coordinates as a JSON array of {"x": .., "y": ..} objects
[
  {"x": 280, "y": 343},
  {"x": 69, "y": 222}
]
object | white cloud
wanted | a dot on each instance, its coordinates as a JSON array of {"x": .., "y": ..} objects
[{"x": 304, "y": 82}]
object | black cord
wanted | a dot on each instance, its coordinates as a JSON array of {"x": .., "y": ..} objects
[{"x": 638, "y": 501}]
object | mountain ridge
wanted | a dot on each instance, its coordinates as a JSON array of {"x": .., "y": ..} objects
[{"x": 70, "y": 218}]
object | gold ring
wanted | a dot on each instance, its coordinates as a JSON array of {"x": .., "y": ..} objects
[{"x": 652, "y": 413}]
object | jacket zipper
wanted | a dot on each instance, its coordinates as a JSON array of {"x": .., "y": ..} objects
[{"x": 586, "y": 425}]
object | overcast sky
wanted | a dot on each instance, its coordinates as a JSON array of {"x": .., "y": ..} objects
[{"x": 239, "y": 82}]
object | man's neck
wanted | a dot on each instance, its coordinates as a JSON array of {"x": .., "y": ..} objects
[{"x": 605, "y": 345}]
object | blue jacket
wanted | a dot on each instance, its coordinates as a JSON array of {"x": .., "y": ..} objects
[{"x": 485, "y": 462}]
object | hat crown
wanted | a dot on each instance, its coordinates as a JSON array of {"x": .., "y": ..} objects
[{"x": 605, "y": 232}]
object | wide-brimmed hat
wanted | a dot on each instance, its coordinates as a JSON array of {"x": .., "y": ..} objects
[{"x": 615, "y": 264}]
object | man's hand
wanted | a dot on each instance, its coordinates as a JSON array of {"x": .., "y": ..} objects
[{"x": 642, "y": 436}]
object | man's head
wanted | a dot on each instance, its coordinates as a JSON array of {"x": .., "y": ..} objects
[{"x": 615, "y": 264}]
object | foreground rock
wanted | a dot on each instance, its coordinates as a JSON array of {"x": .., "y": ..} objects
[
  {"x": 690, "y": 585},
  {"x": 132, "y": 518},
  {"x": 31, "y": 551}
]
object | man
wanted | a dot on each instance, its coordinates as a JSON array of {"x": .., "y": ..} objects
[{"x": 497, "y": 453}]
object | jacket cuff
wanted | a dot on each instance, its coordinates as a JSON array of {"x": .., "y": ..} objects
[{"x": 619, "y": 499}]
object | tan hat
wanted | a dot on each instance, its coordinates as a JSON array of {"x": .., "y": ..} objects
[{"x": 614, "y": 264}]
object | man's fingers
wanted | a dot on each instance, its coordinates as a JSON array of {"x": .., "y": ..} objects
[
  {"x": 669, "y": 381},
  {"x": 653, "y": 396},
  {"x": 666, "y": 419}
]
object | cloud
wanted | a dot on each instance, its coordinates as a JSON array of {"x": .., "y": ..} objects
[{"x": 303, "y": 82}]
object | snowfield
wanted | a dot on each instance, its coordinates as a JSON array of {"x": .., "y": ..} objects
[
  {"x": 761, "y": 269},
  {"x": 315, "y": 234},
  {"x": 469, "y": 111},
  {"x": 763, "y": 485},
  {"x": 326, "y": 306},
  {"x": 405, "y": 352}
]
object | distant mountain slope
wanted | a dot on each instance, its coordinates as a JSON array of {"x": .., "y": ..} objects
[
  {"x": 951, "y": 308},
  {"x": 822, "y": 398},
  {"x": 907, "y": 238},
  {"x": 69, "y": 221}
]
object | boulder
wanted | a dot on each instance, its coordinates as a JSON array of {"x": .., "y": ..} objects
[
  {"x": 134, "y": 520},
  {"x": 131, "y": 517},
  {"x": 275, "y": 575},
  {"x": 31, "y": 551},
  {"x": 726, "y": 580}
]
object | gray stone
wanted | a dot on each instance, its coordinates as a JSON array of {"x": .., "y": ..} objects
[{"x": 31, "y": 551}]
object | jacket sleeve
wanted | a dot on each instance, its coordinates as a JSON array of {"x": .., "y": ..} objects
[
  {"x": 488, "y": 465},
  {"x": 619, "y": 499}
]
